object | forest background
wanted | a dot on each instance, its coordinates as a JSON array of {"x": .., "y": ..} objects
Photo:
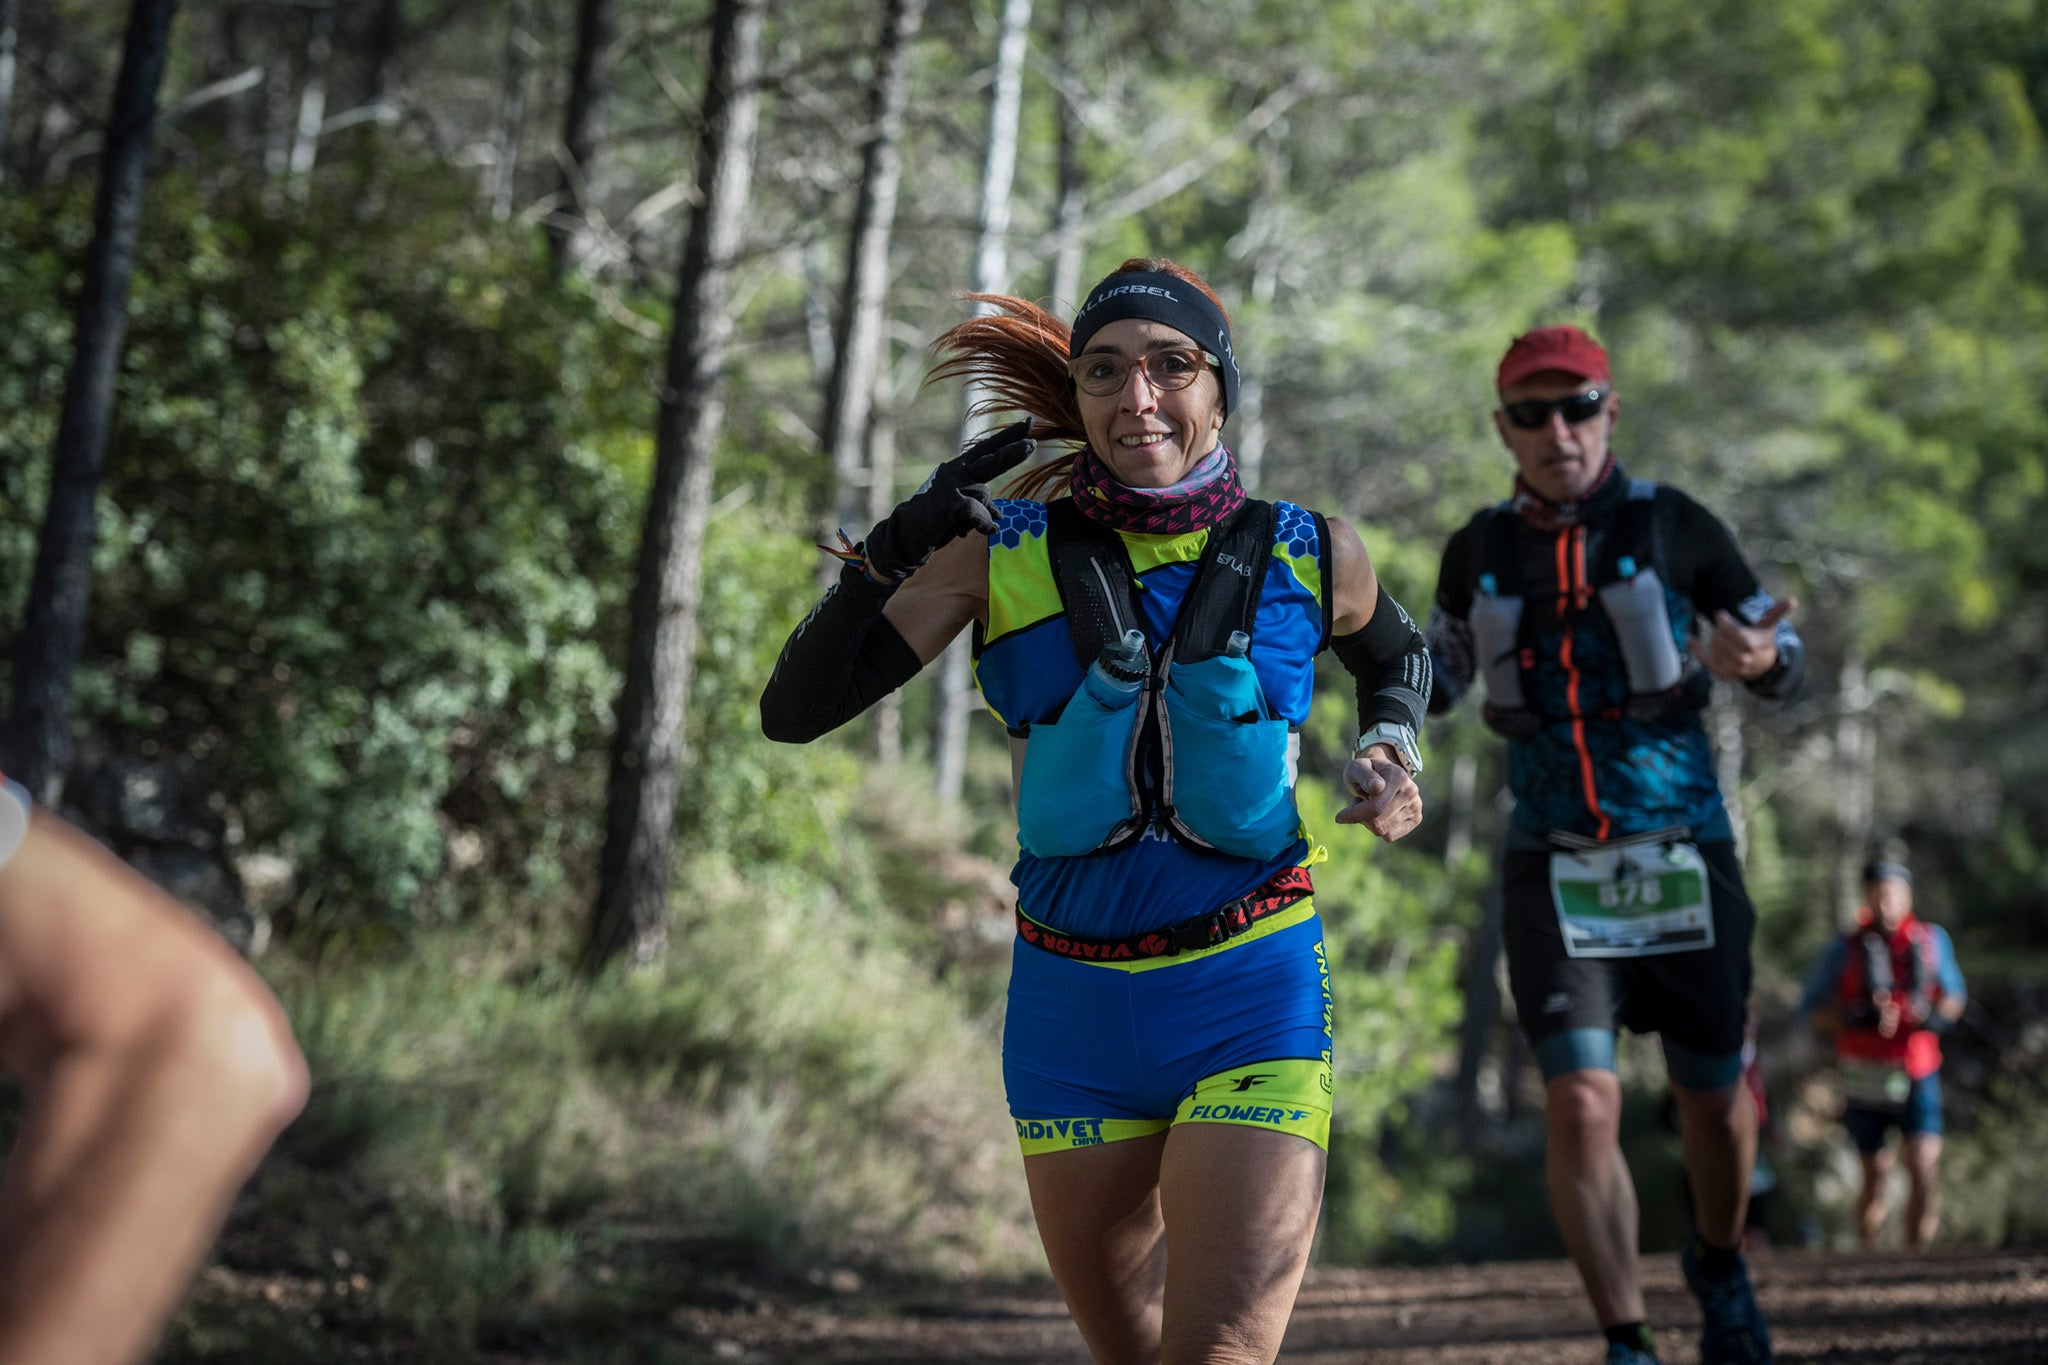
[{"x": 417, "y": 330}]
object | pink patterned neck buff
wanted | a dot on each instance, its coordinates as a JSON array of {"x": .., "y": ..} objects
[{"x": 1205, "y": 497}]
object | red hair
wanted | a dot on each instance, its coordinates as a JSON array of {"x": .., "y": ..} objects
[{"x": 1018, "y": 354}]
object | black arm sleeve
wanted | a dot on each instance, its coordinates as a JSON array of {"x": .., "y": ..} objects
[
  {"x": 1710, "y": 572},
  {"x": 841, "y": 659},
  {"x": 1391, "y": 664},
  {"x": 1453, "y": 661}
]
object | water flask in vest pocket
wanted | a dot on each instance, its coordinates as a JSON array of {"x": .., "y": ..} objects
[
  {"x": 1496, "y": 628},
  {"x": 1635, "y": 606},
  {"x": 1228, "y": 760},
  {"x": 1077, "y": 792}
]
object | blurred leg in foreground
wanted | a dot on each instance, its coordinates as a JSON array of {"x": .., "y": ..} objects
[{"x": 157, "y": 1070}]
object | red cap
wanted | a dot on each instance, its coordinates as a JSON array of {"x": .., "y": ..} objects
[{"x": 1551, "y": 348}]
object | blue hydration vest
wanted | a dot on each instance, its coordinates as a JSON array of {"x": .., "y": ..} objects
[
  {"x": 1192, "y": 741},
  {"x": 1029, "y": 669}
]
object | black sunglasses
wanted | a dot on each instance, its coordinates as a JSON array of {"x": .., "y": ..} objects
[{"x": 1532, "y": 413}]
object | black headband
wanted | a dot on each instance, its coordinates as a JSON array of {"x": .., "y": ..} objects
[
  {"x": 1156, "y": 297},
  {"x": 1883, "y": 869}
]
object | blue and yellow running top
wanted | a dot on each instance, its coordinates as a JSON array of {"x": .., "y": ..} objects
[{"x": 1027, "y": 671}]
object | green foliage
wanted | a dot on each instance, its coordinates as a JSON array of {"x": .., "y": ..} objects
[
  {"x": 1994, "y": 1174},
  {"x": 364, "y": 533},
  {"x": 744, "y": 799},
  {"x": 794, "y": 1088},
  {"x": 375, "y": 487},
  {"x": 1393, "y": 976}
]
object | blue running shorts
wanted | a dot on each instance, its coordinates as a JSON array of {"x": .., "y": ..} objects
[{"x": 1098, "y": 1052}]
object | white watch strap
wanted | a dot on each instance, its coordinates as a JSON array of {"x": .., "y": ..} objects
[{"x": 1399, "y": 738}]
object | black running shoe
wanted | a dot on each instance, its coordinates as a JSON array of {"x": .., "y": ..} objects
[{"x": 1732, "y": 1330}]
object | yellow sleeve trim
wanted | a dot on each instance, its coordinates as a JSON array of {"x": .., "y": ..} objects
[{"x": 1307, "y": 570}]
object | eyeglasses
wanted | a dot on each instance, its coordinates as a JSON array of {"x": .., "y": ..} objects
[
  {"x": 1533, "y": 413},
  {"x": 1102, "y": 373}
]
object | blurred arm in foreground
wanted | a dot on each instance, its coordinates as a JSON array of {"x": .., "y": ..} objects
[{"x": 157, "y": 1070}]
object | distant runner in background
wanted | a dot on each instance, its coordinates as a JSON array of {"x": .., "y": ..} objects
[
  {"x": 156, "y": 1068},
  {"x": 1576, "y": 601},
  {"x": 1885, "y": 992}
]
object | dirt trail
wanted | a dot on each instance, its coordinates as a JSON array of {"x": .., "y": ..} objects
[{"x": 1975, "y": 1306}]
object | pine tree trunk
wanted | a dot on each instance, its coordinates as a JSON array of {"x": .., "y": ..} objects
[
  {"x": 1479, "y": 983},
  {"x": 279, "y": 122},
  {"x": 857, "y": 335},
  {"x": 888, "y": 713},
  {"x": 511, "y": 111},
  {"x": 387, "y": 41},
  {"x": 1069, "y": 245},
  {"x": 955, "y": 700},
  {"x": 631, "y": 915},
  {"x": 1724, "y": 725},
  {"x": 582, "y": 130},
  {"x": 1459, "y": 815},
  {"x": 312, "y": 102},
  {"x": 10, "y": 34},
  {"x": 817, "y": 310},
  {"x": 237, "y": 125},
  {"x": 1263, "y": 233},
  {"x": 1855, "y": 781},
  {"x": 53, "y": 627},
  {"x": 1479, "y": 980}
]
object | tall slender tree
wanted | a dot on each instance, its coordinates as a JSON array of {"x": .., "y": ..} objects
[
  {"x": 991, "y": 276},
  {"x": 1069, "y": 244},
  {"x": 10, "y": 26},
  {"x": 887, "y": 727},
  {"x": 1855, "y": 778},
  {"x": 312, "y": 100},
  {"x": 386, "y": 43},
  {"x": 53, "y": 627},
  {"x": 280, "y": 116},
  {"x": 857, "y": 332},
  {"x": 631, "y": 915},
  {"x": 817, "y": 307},
  {"x": 511, "y": 109},
  {"x": 1479, "y": 987},
  {"x": 1262, "y": 241},
  {"x": 582, "y": 129}
]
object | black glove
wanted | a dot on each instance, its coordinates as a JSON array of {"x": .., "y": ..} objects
[{"x": 952, "y": 502}]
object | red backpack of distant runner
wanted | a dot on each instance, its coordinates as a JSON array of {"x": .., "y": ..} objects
[{"x": 1907, "y": 965}]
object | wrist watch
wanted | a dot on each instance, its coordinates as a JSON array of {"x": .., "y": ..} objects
[{"x": 1400, "y": 738}]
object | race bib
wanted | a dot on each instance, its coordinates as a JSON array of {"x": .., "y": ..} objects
[
  {"x": 1879, "y": 1085},
  {"x": 1632, "y": 901}
]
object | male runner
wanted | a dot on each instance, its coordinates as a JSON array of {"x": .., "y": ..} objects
[
  {"x": 1885, "y": 991},
  {"x": 1577, "y": 602},
  {"x": 156, "y": 1070}
]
